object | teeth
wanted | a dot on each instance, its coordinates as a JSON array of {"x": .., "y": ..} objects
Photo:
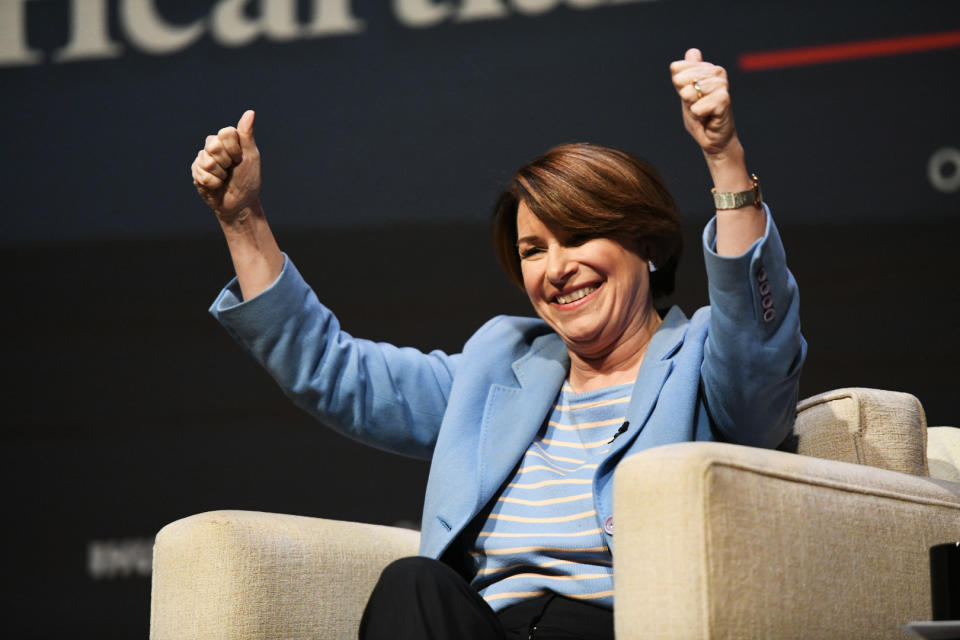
[{"x": 573, "y": 296}]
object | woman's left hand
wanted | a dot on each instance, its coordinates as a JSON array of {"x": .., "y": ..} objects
[{"x": 705, "y": 96}]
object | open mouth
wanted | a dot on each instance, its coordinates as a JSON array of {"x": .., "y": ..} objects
[{"x": 570, "y": 297}]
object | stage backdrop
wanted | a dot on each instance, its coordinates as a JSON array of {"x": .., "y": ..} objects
[{"x": 386, "y": 129}]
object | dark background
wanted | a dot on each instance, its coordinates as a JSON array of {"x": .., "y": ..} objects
[{"x": 127, "y": 407}]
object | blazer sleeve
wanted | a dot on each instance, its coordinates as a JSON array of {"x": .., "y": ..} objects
[
  {"x": 754, "y": 350},
  {"x": 389, "y": 397}
]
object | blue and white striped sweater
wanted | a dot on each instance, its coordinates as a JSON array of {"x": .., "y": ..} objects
[{"x": 542, "y": 532}]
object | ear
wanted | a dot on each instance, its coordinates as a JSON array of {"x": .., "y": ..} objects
[{"x": 647, "y": 252}]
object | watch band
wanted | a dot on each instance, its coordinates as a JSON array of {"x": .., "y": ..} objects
[{"x": 735, "y": 199}]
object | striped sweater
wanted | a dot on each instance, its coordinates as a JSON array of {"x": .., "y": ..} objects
[{"x": 542, "y": 532}]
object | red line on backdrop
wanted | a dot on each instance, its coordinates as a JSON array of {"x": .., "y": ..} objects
[{"x": 763, "y": 60}]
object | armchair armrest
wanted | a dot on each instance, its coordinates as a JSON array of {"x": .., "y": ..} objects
[
  {"x": 228, "y": 575},
  {"x": 722, "y": 541}
]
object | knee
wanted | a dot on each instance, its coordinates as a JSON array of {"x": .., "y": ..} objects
[
  {"x": 418, "y": 574},
  {"x": 410, "y": 571}
]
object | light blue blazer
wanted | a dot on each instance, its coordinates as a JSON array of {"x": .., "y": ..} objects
[{"x": 729, "y": 373}]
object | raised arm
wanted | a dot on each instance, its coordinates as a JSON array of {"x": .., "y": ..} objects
[
  {"x": 754, "y": 351},
  {"x": 389, "y": 397},
  {"x": 226, "y": 173},
  {"x": 705, "y": 98}
]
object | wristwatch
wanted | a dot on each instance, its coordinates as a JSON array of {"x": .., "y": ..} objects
[{"x": 736, "y": 199}]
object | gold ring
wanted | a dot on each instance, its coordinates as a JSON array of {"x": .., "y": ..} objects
[{"x": 696, "y": 85}]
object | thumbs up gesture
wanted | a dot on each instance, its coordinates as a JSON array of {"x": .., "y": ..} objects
[
  {"x": 226, "y": 171},
  {"x": 705, "y": 98}
]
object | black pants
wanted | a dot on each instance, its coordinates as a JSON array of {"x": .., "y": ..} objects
[{"x": 423, "y": 599}]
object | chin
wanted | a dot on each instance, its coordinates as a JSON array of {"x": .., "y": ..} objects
[{"x": 582, "y": 339}]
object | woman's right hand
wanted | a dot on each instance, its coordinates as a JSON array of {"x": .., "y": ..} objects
[
  {"x": 227, "y": 176},
  {"x": 226, "y": 172}
]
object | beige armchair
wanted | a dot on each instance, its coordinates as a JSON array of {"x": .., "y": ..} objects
[{"x": 712, "y": 541}]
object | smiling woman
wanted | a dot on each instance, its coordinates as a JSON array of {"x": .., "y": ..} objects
[
  {"x": 592, "y": 235},
  {"x": 594, "y": 293},
  {"x": 591, "y": 191},
  {"x": 525, "y": 427}
]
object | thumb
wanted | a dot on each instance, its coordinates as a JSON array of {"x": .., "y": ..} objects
[
  {"x": 692, "y": 55},
  {"x": 245, "y": 126}
]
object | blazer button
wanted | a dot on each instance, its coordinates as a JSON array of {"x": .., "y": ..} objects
[
  {"x": 769, "y": 315},
  {"x": 766, "y": 302},
  {"x": 608, "y": 525},
  {"x": 761, "y": 274}
]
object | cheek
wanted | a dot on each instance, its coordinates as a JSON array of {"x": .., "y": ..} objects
[
  {"x": 641, "y": 285},
  {"x": 531, "y": 280}
]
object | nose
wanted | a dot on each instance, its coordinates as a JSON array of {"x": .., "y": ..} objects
[{"x": 560, "y": 265}]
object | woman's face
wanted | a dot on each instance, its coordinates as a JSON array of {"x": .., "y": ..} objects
[{"x": 594, "y": 292}]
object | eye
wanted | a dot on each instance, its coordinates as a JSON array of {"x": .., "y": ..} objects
[{"x": 529, "y": 252}]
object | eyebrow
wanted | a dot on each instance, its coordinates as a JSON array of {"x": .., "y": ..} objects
[{"x": 527, "y": 239}]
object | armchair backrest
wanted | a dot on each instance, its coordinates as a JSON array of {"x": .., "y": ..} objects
[{"x": 885, "y": 429}]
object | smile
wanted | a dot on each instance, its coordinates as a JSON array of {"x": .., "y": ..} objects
[{"x": 577, "y": 294}]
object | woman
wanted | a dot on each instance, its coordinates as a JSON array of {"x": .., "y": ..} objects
[{"x": 525, "y": 427}]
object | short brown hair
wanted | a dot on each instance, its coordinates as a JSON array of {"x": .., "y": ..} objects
[{"x": 589, "y": 189}]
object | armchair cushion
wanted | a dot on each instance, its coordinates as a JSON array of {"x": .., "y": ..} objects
[
  {"x": 883, "y": 429},
  {"x": 232, "y": 575},
  {"x": 716, "y": 540}
]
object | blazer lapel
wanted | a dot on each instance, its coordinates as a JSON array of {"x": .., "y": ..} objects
[
  {"x": 513, "y": 415},
  {"x": 656, "y": 368}
]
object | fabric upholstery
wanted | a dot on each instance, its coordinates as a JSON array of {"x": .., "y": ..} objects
[
  {"x": 232, "y": 575},
  {"x": 883, "y": 429},
  {"x": 721, "y": 541},
  {"x": 943, "y": 453}
]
